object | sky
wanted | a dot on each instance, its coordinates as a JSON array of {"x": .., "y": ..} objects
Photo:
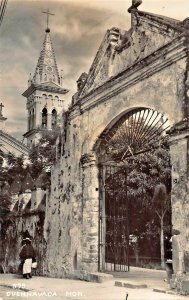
[{"x": 77, "y": 30}]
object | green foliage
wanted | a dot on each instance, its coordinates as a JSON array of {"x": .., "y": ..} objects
[
  {"x": 43, "y": 155},
  {"x": 5, "y": 202},
  {"x": 14, "y": 166},
  {"x": 146, "y": 171},
  {"x": 41, "y": 158},
  {"x": 149, "y": 186},
  {"x": 161, "y": 199},
  {"x": 145, "y": 179}
]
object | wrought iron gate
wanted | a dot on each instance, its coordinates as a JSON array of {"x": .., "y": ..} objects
[
  {"x": 139, "y": 131},
  {"x": 113, "y": 219}
]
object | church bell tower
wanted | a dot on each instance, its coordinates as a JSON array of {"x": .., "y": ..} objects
[{"x": 45, "y": 93}]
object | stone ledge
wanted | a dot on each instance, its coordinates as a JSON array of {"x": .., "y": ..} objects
[
  {"x": 169, "y": 292},
  {"x": 181, "y": 284},
  {"x": 130, "y": 285},
  {"x": 118, "y": 283},
  {"x": 185, "y": 286},
  {"x": 92, "y": 277},
  {"x": 159, "y": 291}
]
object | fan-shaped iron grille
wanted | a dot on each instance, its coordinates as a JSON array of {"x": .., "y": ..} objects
[{"x": 138, "y": 131}]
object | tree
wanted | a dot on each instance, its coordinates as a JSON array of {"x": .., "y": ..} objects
[
  {"x": 149, "y": 183},
  {"x": 43, "y": 155},
  {"x": 5, "y": 204},
  {"x": 162, "y": 206},
  {"x": 14, "y": 166},
  {"x": 145, "y": 171}
]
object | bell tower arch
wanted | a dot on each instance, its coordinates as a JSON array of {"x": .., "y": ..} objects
[{"x": 45, "y": 94}]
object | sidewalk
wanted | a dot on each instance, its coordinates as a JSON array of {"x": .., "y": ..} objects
[
  {"x": 142, "y": 276},
  {"x": 64, "y": 289}
]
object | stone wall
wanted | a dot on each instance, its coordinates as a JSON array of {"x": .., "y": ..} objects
[
  {"x": 150, "y": 71},
  {"x": 64, "y": 211},
  {"x": 180, "y": 210},
  {"x": 27, "y": 218},
  {"x": 12, "y": 232},
  {"x": 73, "y": 216}
]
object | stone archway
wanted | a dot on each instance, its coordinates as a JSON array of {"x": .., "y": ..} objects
[{"x": 136, "y": 134}]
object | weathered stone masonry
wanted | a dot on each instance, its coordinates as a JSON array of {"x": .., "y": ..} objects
[
  {"x": 144, "y": 67},
  {"x": 27, "y": 218}
]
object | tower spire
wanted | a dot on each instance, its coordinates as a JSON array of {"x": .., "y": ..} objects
[
  {"x": 46, "y": 91},
  {"x": 48, "y": 14},
  {"x": 46, "y": 69}
]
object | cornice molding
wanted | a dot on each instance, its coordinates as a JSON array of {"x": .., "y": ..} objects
[
  {"x": 30, "y": 132},
  {"x": 162, "y": 23},
  {"x": 145, "y": 68},
  {"x": 75, "y": 112},
  {"x": 42, "y": 87},
  {"x": 96, "y": 65},
  {"x": 11, "y": 141}
]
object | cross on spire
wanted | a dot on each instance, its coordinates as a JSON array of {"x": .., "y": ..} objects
[
  {"x": 48, "y": 14},
  {"x": 134, "y": 6},
  {"x": 1, "y": 108}
]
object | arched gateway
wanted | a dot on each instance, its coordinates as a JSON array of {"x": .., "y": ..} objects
[
  {"x": 117, "y": 115},
  {"x": 133, "y": 159}
]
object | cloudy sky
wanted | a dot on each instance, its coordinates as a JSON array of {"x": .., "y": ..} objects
[{"x": 77, "y": 30}]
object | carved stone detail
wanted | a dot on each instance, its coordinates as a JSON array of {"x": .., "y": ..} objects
[
  {"x": 87, "y": 158},
  {"x": 119, "y": 39}
]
